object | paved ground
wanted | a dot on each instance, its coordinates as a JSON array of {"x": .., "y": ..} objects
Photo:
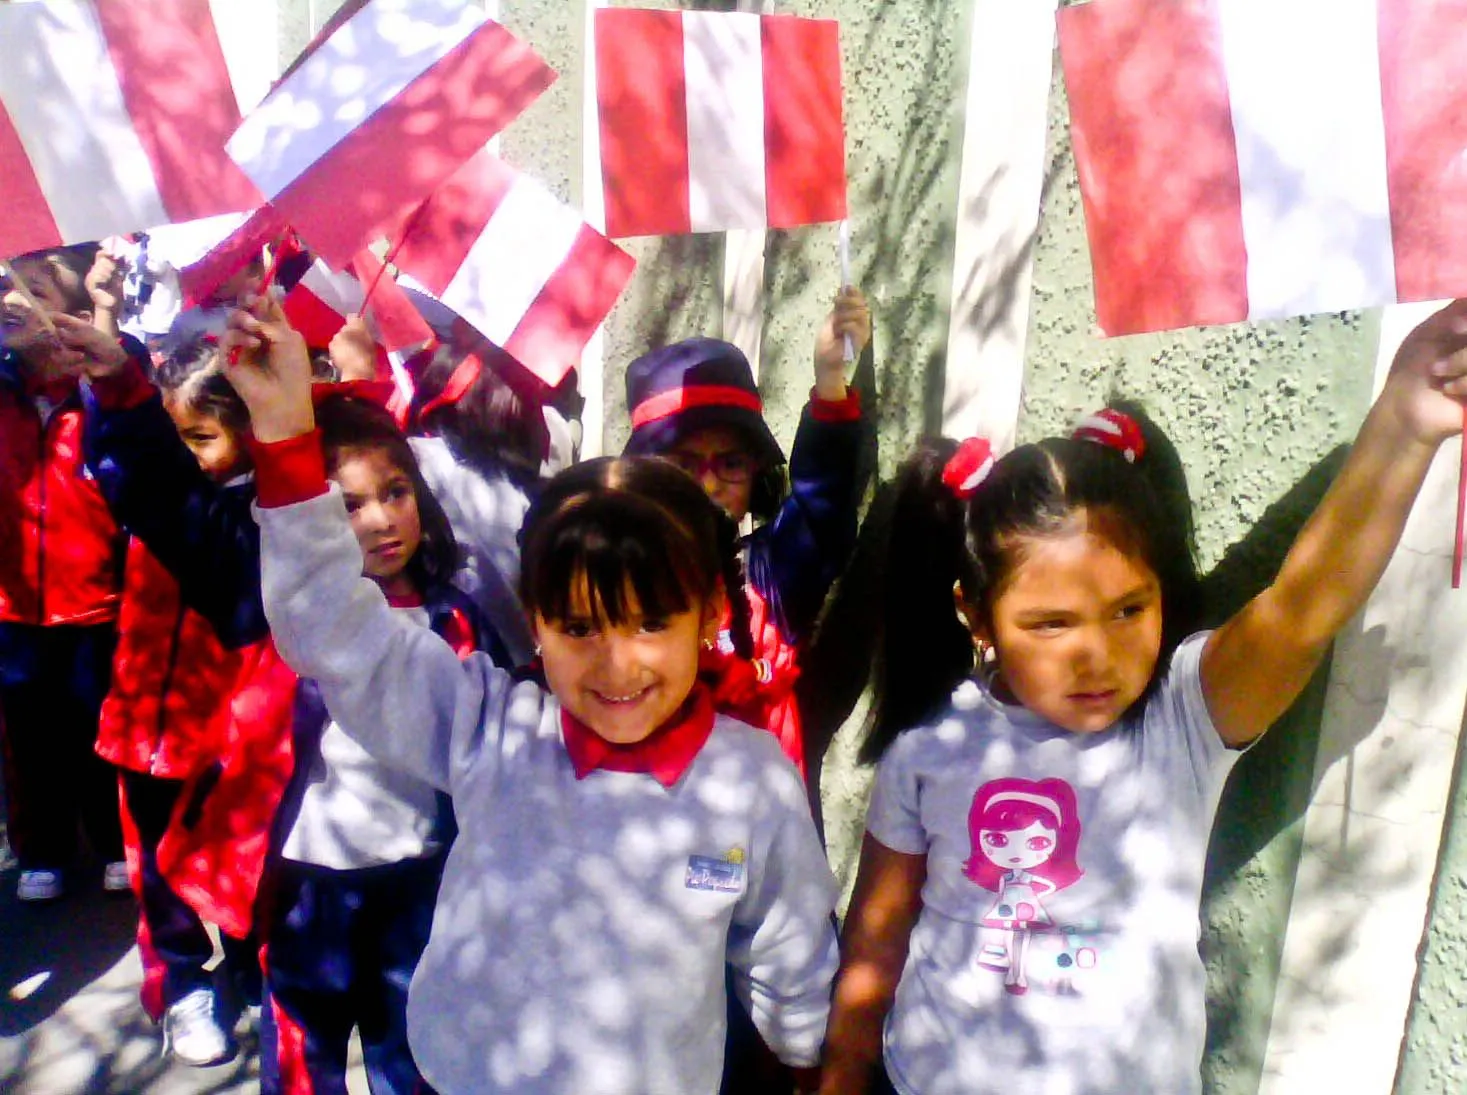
[{"x": 70, "y": 1022}]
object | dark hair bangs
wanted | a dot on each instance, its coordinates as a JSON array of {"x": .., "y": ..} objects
[{"x": 614, "y": 557}]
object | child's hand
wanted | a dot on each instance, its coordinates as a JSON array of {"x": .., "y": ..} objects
[
  {"x": 1427, "y": 386},
  {"x": 270, "y": 368},
  {"x": 85, "y": 348},
  {"x": 353, "y": 350},
  {"x": 849, "y": 316},
  {"x": 104, "y": 286}
]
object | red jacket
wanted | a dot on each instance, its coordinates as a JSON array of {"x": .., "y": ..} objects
[
  {"x": 60, "y": 550},
  {"x": 168, "y": 709}
]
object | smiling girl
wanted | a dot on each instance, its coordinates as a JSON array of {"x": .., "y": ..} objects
[{"x": 619, "y": 840}]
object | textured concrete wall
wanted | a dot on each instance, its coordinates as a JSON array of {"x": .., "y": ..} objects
[{"x": 1435, "y": 1057}]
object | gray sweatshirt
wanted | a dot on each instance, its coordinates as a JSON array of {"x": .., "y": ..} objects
[{"x": 582, "y": 927}]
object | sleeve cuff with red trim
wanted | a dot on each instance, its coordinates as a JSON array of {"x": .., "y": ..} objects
[
  {"x": 123, "y": 390},
  {"x": 289, "y": 471},
  {"x": 836, "y": 410}
]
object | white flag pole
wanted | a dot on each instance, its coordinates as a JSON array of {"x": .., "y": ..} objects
[{"x": 845, "y": 276}]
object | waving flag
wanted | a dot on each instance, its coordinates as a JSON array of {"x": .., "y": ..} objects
[
  {"x": 318, "y": 304},
  {"x": 380, "y": 113},
  {"x": 1241, "y": 160},
  {"x": 718, "y": 120},
  {"x": 93, "y": 142},
  {"x": 524, "y": 270}
]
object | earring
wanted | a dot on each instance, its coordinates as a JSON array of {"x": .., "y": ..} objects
[
  {"x": 707, "y": 645},
  {"x": 537, "y": 650}
]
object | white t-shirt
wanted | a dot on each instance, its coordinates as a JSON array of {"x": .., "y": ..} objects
[{"x": 1056, "y": 951}]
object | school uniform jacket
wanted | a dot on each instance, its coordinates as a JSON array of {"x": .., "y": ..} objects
[
  {"x": 215, "y": 851},
  {"x": 60, "y": 549}
]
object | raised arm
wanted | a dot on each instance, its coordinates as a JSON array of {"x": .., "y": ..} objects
[
  {"x": 1258, "y": 662},
  {"x": 396, "y": 687}
]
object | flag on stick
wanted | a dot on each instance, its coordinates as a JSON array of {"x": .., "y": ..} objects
[
  {"x": 718, "y": 120},
  {"x": 113, "y": 118},
  {"x": 523, "y": 269},
  {"x": 380, "y": 114},
  {"x": 318, "y": 304},
  {"x": 1241, "y": 161}
]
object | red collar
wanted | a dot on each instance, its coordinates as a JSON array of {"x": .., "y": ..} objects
[{"x": 665, "y": 754}]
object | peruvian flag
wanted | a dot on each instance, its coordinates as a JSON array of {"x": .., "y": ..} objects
[
  {"x": 113, "y": 118},
  {"x": 380, "y": 113},
  {"x": 1245, "y": 160},
  {"x": 523, "y": 269},
  {"x": 718, "y": 120},
  {"x": 318, "y": 304}
]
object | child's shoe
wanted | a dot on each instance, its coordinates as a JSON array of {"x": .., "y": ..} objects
[
  {"x": 192, "y": 1034},
  {"x": 38, "y": 886},
  {"x": 114, "y": 878}
]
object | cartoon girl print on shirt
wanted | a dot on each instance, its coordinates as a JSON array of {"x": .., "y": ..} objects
[{"x": 1025, "y": 835}]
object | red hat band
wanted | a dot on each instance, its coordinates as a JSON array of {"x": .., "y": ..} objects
[{"x": 676, "y": 400}]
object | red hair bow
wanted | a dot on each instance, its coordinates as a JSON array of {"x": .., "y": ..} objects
[
  {"x": 1115, "y": 430},
  {"x": 969, "y": 466}
]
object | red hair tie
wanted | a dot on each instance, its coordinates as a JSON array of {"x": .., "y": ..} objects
[
  {"x": 1115, "y": 430},
  {"x": 968, "y": 467}
]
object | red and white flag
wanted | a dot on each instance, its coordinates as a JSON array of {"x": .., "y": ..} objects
[
  {"x": 318, "y": 304},
  {"x": 1244, "y": 160},
  {"x": 523, "y": 269},
  {"x": 379, "y": 114},
  {"x": 718, "y": 120},
  {"x": 113, "y": 118}
]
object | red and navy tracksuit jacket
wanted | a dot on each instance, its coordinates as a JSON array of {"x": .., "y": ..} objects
[
  {"x": 790, "y": 564},
  {"x": 234, "y": 815},
  {"x": 60, "y": 584}
]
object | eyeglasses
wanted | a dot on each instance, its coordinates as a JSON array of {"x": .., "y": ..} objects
[{"x": 729, "y": 467}]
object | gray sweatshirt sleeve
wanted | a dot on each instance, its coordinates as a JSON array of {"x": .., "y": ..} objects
[
  {"x": 396, "y": 687},
  {"x": 782, "y": 944}
]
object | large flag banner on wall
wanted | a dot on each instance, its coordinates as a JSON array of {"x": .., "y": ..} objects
[
  {"x": 713, "y": 121},
  {"x": 1244, "y": 160},
  {"x": 380, "y": 113},
  {"x": 522, "y": 268},
  {"x": 113, "y": 118}
]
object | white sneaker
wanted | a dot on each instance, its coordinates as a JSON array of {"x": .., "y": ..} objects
[
  {"x": 192, "y": 1034},
  {"x": 38, "y": 886},
  {"x": 114, "y": 878}
]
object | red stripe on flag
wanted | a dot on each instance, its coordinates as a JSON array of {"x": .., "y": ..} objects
[
  {"x": 316, "y": 320},
  {"x": 243, "y": 245},
  {"x": 641, "y": 95},
  {"x": 804, "y": 121},
  {"x": 557, "y": 326},
  {"x": 27, "y": 224},
  {"x": 407, "y": 149},
  {"x": 441, "y": 232},
  {"x": 176, "y": 87},
  {"x": 1152, "y": 131},
  {"x": 399, "y": 324},
  {"x": 1424, "y": 100}
]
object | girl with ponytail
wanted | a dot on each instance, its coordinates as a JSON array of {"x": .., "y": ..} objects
[{"x": 1052, "y": 740}]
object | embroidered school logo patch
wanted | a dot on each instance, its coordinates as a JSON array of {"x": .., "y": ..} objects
[{"x": 724, "y": 875}]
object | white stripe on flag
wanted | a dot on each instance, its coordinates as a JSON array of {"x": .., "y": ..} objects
[
  {"x": 73, "y": 122},
  {"x": 723, "y": 63},
  {"x": 1305, "y": 97},
  {"x": 368, "y": 62},
  {"x": 531, "y": 229},
  {"x": 341, "y": 292}
]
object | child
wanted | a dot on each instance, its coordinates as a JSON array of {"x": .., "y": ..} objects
[
  {"x": 163, "y": 725},
  {"x": 1026, "y": 910},
  {"x": 696, "y": 404},
  {"x": 620, "y": 841},
  {"x": 354, "y": 850},
  {"x": 60, "y": 578}
]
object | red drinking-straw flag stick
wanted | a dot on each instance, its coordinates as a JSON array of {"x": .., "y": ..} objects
[
  {"x": 277, "y": 256},
  {"x": 1461, "y": 508}
]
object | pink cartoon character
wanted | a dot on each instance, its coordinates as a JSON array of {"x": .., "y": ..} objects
[{"x": 1025, "y": 835}]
